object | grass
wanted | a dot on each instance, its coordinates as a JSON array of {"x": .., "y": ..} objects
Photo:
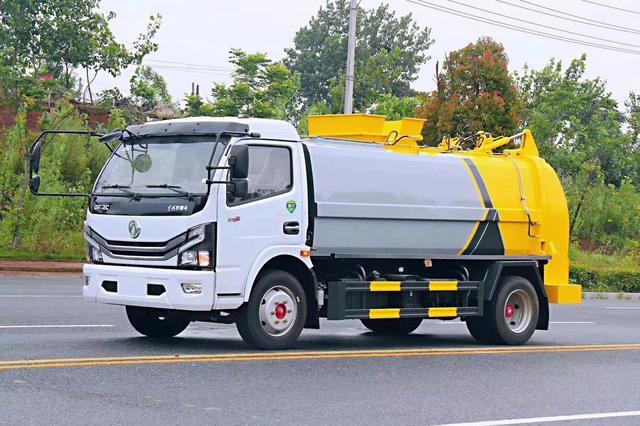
[
  {"x": 11, "y": 254},
  {"x": 603, "y": 262}
]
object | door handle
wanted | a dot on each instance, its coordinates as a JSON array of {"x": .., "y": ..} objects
[{"x": 291, "y": 228}]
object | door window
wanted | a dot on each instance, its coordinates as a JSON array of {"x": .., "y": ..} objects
[{"x": 270, "y": 173}]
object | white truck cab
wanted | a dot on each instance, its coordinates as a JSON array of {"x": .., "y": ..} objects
[{"x": 238, "y": 220}]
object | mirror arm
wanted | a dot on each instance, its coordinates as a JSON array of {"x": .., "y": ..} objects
[{"x": 39, "y": 139}]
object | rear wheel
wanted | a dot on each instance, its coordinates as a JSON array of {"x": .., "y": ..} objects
[
  {"x": 275, "y": 314},
  {"x": 156, "y": 322},
  {"x": 512, "y": 315},
  {"x": 392, "y": 326}
]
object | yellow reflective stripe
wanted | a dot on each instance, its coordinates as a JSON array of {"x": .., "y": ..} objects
[
  {"x": 443, "y": 312},
  {"x": 384, "y": 313},
  {"x": 385, "y": 286},
  {"x": 471, "y": 235},
  {"x": 443, "y": 285}
]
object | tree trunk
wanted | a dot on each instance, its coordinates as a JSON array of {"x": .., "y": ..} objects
[{"x": 15, "y": 241}]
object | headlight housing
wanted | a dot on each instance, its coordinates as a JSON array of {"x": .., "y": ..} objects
[{"x": 198, "y": 251}]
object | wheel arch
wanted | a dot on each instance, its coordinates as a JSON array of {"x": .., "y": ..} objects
[
  {"x": 303, "y": 273},
  {"x": 526, "y": 269}
]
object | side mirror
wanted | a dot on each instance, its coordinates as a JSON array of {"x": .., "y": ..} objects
[
  {"x": 34, "y": 157},
  {"x": 237, "y": 188},
  {"x": 34, "y": 184},
  {"x": 239, "y": 161}
]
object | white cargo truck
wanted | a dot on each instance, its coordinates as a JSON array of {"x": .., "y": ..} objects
[{"x": 241, "y": 221}]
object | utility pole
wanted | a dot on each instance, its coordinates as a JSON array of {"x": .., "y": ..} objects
[{"x": 351, "y": 53}]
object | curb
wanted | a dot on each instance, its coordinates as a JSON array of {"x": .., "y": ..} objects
[
  {"x": 596, "y": 295},
  {"x": 38, "y": 266}
]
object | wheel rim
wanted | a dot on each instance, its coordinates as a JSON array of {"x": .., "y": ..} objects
[
  {"x": 518, "y": 310},
  {"x": 278, "y": 311}
]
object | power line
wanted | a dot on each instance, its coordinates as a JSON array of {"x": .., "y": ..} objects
[
  {"x": 185, "y": 69},
  {"x": 544, "y": 26},
  {"x": 520, "y": 29},
  {"x": 612, "y": 7},
  {"x": 591, "y": 22},
  {"x": 211, "y": 67}
]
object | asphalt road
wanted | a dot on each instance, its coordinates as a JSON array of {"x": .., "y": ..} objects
[{"x": 67, "y": 361}]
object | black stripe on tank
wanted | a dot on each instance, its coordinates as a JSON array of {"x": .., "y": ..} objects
[
  {"x": 486, "y": 199},
  {"x": 487, "y": 239}
]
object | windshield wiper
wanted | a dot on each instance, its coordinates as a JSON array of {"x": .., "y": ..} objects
[
  {"x": 174, "y": 188},
  {"x": 123, "y": 188}
]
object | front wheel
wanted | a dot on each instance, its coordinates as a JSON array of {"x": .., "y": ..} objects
[
  {"x": 276, "y": 312},
  {"x": 392, "y": 326},
  {"x": 156, "y": 322}
]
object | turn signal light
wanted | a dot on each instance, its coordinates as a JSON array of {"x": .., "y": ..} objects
[
  {"x": 204, "y": 258},
  {"x": 305, "y": 253}
]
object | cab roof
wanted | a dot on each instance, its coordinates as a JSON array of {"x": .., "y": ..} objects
[{"x": 267, "y": 128}]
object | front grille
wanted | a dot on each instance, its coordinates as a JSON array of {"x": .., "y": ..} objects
[{"x": 138, "y": 249}]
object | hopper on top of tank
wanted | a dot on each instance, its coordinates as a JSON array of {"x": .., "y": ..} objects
[{"x": 365, "y": 127}]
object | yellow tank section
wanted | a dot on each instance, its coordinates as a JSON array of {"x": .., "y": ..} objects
[
  {"x": 365, "y": 128},
  {"x": 523, "y": 188}
]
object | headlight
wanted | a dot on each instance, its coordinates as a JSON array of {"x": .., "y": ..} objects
[
  {"x": 199, "y": 248},
  {"x": 200, "y": 258},
  {"x": 94, "y": 254}
]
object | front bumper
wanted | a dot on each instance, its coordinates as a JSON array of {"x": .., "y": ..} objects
[{"x": 132, "y": 287}]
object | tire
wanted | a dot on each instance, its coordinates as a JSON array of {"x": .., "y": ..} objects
[
  {"x": 275, "y": 314},
  {"x": 481, "y": 329},
  {"x": 392, "y": 327},
  {"x": 511, "y": 317},
  {"x": 157, "y": 323}
]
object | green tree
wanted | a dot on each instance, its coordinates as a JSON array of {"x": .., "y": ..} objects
[
  {"x": 575, "y": 120},
  {"x": 633, "y": 117},
  {"x": 396, "y": 108},
  {"x": 389, "y": 53},
  {"x": 260, "y": 88},
  {"x": 148, "y": 89},
  {"x": 474, "y": 92},
  {"x": 61, "y": 36}
]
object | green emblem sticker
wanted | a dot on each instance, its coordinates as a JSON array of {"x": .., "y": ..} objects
[{"x": 291, "y": 206}]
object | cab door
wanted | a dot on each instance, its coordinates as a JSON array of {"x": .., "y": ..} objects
[{"x": 271, "y": 215}]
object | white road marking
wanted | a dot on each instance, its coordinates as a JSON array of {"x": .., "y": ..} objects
[
  {"x": 532, "y": 420},
  {"x": 8, "y": 296},
  {"x": 621, "y": 307},
  {"x": 550, "y": 322},
  {"x": 59, "y": 326}
]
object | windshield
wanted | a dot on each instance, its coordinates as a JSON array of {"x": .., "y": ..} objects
[{"x": 170, "y": 166}]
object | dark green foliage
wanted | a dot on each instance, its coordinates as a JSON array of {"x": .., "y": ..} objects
[
  {"x": 261, "y": 88},
  {"x": 389, "y": 53},
  {"x": 69, "y": 164},
  {"x": 610, "y": 280},
  {"x": 575, "y": 120}
]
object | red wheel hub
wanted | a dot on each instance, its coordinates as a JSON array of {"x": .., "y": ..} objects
[
  {"x": 281, "y": 311},
  {"x": 509, "y": 310}
]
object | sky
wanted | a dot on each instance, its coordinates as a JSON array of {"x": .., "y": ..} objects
[{"x": 197, "y": 35}]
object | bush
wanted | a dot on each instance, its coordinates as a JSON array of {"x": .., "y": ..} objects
[
  {"x": 609, "y": 216},
  {"x": 48, "y": 225},
  {"x": 612, "y": 280}
]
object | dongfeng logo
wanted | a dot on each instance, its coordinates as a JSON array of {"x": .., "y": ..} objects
[
  {"x": 134, "y": 229},
  {"x": 101, "y": 208}
]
